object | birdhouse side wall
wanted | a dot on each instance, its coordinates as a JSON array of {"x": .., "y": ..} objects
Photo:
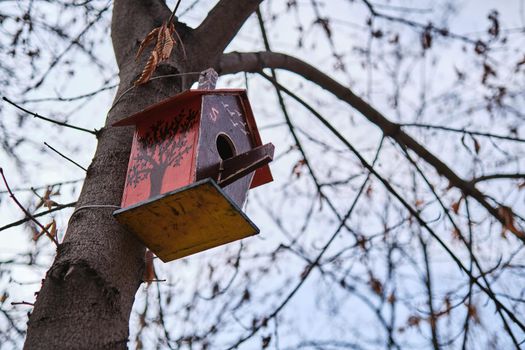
[
  {"x": 223, "y": 117},
  {"x": 163, "y": 153}
]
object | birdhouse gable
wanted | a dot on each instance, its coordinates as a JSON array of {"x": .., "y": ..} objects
[{"x": 163, "y": 153}]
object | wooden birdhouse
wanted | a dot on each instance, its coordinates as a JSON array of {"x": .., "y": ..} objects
[{"x": 193, "y": 158}]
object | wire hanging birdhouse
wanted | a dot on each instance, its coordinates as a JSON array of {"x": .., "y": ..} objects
[{"x": 193, "y": 158}]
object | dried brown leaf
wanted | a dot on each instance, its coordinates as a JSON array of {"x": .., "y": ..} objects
[
  {"x": 391, "y": 298},
  {"x": 149, "y": 271},
  {"x": 426, "y": 38},
  {"x": 456, "y": 234},
  {"x": 165, "y": 43},
  {"x": 473, "y": 312},
  {"x": 507, "y": 216},
  {"x": 37, "y": 235},
  {"x": 149, "y": 38},
  {"x": 369, "y": 191},
  {"x": 455, "y": 206},
  {"x": 160, "y": 41},
  {"x": 173, "y": 31},
  {"x": 148, "y": 69},
  {"x": 44, "y": 198},
  {"x": 306, "y": 271},
  {"x": 297, "y": 168},
  {"x": 414, "y": 321},
  {"x": 476, "y": 145},
  {"x": 53, "y": 229},
  {"x": 376, "y": 285},
  {"x": 266, "y": 341},
  {"x": 494, "y": 28}
]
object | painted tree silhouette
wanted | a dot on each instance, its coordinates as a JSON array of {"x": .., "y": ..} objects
[{"x": 163, "y": 145}]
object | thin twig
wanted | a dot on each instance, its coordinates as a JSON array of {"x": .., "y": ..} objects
[
  {"x": 36, "y": 115},
  {"x": 497, "y": 176},
  {"x": 463, "y": 131},
  {"x": 483, "y": 274},
  {"x": 28, "y": 214},
  {"x": 22, "y": 303},
  {"x": 12, "y": 323},
  {"x": 73, "y": 42},
  {"x": 399, "y": 197},
  {"x": 26, "y": 219},
  {"x": 72, "y": 98},
  {"x": 117, "y": 100},
  {"x": 44, "y": 186},
  {"x": 64, "y": 156},
  {"x": 174, "y": 10},
  {"x": 161, "y": 318},
  {"x": 153, "y": 280},
  {"x": 256, "y": 62},
  {"x": 292, "y": 128},
  {"x": 468, "y": 315},
  {"x": 442, "y": 31},
  {"x": 311, "y": 265}
]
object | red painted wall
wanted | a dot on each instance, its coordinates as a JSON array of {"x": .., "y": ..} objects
[{"x": 163, "y": 153}]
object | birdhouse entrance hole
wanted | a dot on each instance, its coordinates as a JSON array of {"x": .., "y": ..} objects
[{"x": 225, "y": 146}]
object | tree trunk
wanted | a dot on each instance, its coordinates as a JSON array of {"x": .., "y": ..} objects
[
  {"x": 87, "y": 294},
  {"x": 156, "y": 178}
]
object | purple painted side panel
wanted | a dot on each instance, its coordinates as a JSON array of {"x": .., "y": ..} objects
[{"x": 224, "y": 129}]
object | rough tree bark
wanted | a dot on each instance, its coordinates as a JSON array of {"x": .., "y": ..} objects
[{"x": 87, "y": 294}]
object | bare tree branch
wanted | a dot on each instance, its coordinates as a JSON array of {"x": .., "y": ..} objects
[
  {"x": 256, "y": 61},
  {"x": 402, "y": 200},
  {"x": 28, "y": 214},
  {"x": 26, "y": 219},
  {"x": 498, "y": 176},
  {"x": 464, "y": 131},
  {"x": 38, "y": 116},
  {"x": 223, "y": 22}
]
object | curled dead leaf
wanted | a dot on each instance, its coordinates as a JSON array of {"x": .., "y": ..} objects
[
  {"x": 391, "y": 298},
  {"x": 149, "y": 271},
  {"x": 148, "y": 69},
  {"x": 266, "y": 341},
  {"x": 164, "y": 45},
  {"x": 456, "y": 234},
  {"x": 473, "y": 312},
  {"x": 297, "y": 168},
  {"x": 455, "y": 206},
  {"x": 376, "y": 285},
  {"x": 414, "y": 321},
  {"x": 46, "y": 200},
  {"x": 53, "y": 229},
  {"x": 149, "y": 38},
  {"x": 507, "y": 217}
]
